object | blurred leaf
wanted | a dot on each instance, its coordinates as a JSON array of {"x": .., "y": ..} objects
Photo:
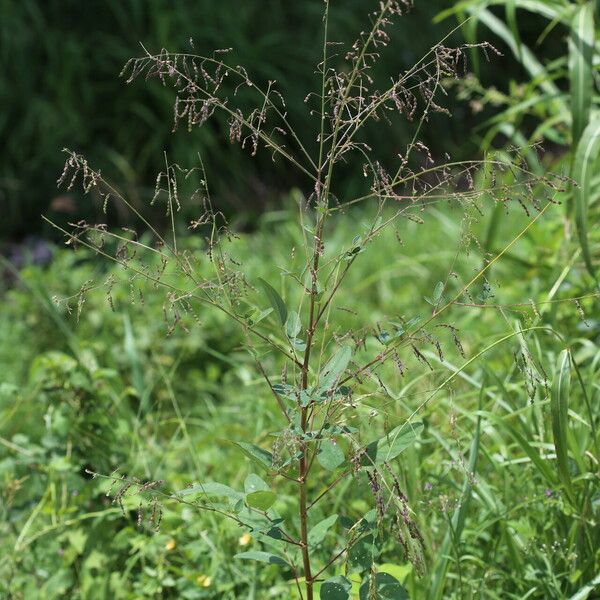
[
  {"x": 511, "y": 18},
  {"x": 454, "y": 533},
  {"x": 362, "y": 554}
]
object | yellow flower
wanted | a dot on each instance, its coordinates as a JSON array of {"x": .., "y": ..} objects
[
  {"x": 170, "y": 545},
  {"x": 204, "y": 580},
  {"x": 245, "y": 539}
]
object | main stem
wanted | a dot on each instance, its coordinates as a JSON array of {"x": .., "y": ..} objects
[
  {"x": 304, "y": 514},
  {"x": 304, "y": 462}
]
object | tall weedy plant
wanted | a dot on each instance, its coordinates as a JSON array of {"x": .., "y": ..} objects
[{"x": 317, "y": 372}]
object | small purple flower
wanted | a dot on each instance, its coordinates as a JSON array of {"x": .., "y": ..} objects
[
  {"x": 549, "y": 493},
  {"x": 428, "y": 486}
]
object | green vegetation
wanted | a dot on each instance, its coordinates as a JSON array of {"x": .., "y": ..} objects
[
  {"x": 388, "y": 389},
  {"x": 111, "y": 391}
]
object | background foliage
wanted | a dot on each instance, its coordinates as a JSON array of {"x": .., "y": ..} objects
[{"x": 62, "y": 58}]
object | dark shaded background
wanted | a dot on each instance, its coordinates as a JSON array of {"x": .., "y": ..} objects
[{"x": 61, "y": 59}]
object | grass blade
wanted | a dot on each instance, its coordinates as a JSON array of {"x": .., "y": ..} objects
[
  {"x": 459, "y": 516},
  {"x": 585, "y": 155},
  {"x": 587, "y": 589},
  {"x": 510, "y": 9},
  {"x": 561, "y": 388},
  {"x": 581, "y": 51}
]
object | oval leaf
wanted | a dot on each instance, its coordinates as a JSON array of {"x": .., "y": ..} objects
[
  {"x": 253, "y": 483},
  {"x": 317, "y": 534},
  {"x": 386, "y": 588},
  {"x": 330, "y": 456},
  {"x": 262, "y": 500},
  {"x": 336, "y": 588}
]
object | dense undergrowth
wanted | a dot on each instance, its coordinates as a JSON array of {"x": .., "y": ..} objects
[{"x": 107, "y": 389}]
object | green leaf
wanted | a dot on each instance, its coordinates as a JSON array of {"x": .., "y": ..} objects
[
  {"x": 256, "y": 454},
  {"x": 386, "y": 588},
  {"x": 510, "y": 9},
  {"x": 400, "y": 572},
  {"x": 293, "y": 325},
  {"x": 330, "y": 455},
  {"x": 390, "y": 446},
  {"x": 258, "y": 315},
  {"x": 336, "y": 588},
  {"x": 561, "y": 387},
  {"x": 253, "y": 483},
  {"x": 583, "y": 165},
  {"x": 261, "y": 500},
  {"x": 335, "y": 367},
  {"x": 210, "y": 489},
  {"x": 275, "y": 299},
  {"x": 581, "y": 52},
  {"x": 317, "y": 534},
  {"x": 362, "y": 554},
  {"x": 77, "y": 538},
  {"x": 300, "y": 345},
  {"x": 258, "y": 493},
  {"x": 265, "y": 557}
]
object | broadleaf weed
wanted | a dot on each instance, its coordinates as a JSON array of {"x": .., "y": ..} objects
[{"x": 318, "y": 368}]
